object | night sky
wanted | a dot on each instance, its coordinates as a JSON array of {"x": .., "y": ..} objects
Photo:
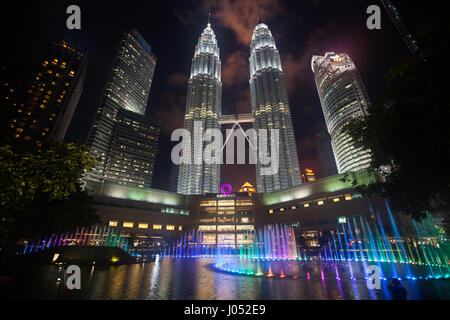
[{"x": 172, "y": 28}]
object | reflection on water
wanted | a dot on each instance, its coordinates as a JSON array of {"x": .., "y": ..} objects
[{"x": 178, "y": 278}]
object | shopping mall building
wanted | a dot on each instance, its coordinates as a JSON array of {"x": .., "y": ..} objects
[{"x": 152, "y": 218}]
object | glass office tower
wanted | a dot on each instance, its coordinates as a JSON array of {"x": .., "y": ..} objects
[
  {"x": 124, "y": 140},
  {"x": 343, "y": 97},
  {"x": 203, "y": 105},
  {"x": 270, "y": 107}
]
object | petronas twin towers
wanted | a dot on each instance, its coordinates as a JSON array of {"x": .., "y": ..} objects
[
  {"x": 204, "y": 104},
  {"x": 270, "y": 108}
]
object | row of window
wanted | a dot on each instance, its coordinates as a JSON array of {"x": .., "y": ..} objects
[
  {"x": 226, "y": 228},
  {"x": 226, "y": 203},
  {"x": 319, "y": 202},
  {"x": 207, "y": 213},
  {"x": 163, "y": 210},
  {"x": 226, "y": 220},
  {"x": 143, "y": 225}
]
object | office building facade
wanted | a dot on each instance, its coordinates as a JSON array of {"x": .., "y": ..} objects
[
  {"x": 122, "y": 138},
  {"x": 343, "y": 97}
]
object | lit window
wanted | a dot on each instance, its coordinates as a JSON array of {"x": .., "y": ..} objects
[
  {"x": 206, "y": 228},
  {"x": 342, "y": 220},
  {"x": 245, "y": 228},
  {"x": 143, "y": 225},
  {"x": 245, "y": 220},
  {"x": 320, "y": 203},
  {"x": 348, "y": 197},
  {"x": 281, "y": 209},
  {"x": 306, "y": 205},
  {"x": 208, "y": 203},
  {"x": 225, "y": 203},
  {"x": 226, "y": 228},
  {"x": 336, "y": 199},
  {"x": 128, "y": 224},
  {"x": 244, "y": 203},
  {"x": 157, "y": 227},
  {"x": 113, "y": 223},
  {"x": 170, "y": 228},
  {"x": 180, "y": 228},
  {"x": 271, "y": 211}
]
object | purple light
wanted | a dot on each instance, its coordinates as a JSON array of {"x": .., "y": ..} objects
[{"x": 226, "y": 189}]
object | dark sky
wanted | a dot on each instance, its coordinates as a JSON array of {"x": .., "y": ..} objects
[{"x": 172, "y": 28}]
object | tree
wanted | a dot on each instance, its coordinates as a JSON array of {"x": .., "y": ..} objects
[
  {"x": 407, "y": 129},
  {"x": 40, "y": 189}
]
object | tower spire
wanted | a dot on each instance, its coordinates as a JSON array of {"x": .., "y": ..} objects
[
  {"x": 209, "y": 18},
  {"x": 259, "y": 16}
]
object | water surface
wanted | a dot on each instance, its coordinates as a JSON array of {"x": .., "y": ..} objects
[{"x": 178, "y": 279}]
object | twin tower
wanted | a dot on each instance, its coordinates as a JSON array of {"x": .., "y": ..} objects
[{"x": 270, "y": 110}]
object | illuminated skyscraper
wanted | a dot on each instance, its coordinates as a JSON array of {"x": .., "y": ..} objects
[
  {"x": 270, "y": 107},
  {"x": 343, "y": 97},
  {"x": 203, "y": 105},
  {"x": 121, "y": 136},
  {"x": 46, "y": 109}
]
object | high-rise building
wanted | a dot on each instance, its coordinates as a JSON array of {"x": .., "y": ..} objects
[
  {"x": 203, "y": 105},
  {"x": 270, "y": 107},
  {"x": 173, "y": 178},
  {"x": 343, "y": 97},
  {"x": 324, "y": 150},
  {"x": 45, "y": 110},
  {"x": 123, "y": 139},
  {"x": 407, "y": 36}
]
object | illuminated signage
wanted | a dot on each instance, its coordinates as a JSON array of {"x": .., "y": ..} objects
[
  {"x": 231, "y": 195},
  {"x": 310, "y": 176},
  {"x": 336, "y": 58},
  {"x": 226, "y": 189}
]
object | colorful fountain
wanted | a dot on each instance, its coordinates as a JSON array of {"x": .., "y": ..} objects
[
  {"x": 272, "y": 242},
  {"x": 95, "y": 236},
  {"x": 351, "y": 248}
]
